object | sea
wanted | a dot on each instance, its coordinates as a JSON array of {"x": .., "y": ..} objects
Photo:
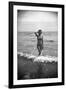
[{"x": 27, "y": 43}]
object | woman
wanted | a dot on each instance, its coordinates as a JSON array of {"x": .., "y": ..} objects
[{"x": 39, "y": 41}]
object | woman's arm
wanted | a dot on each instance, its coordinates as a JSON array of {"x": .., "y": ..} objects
[{"x": 36, "y": 33}]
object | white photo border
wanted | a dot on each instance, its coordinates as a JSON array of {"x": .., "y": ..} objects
[{"x": 37, "y": 81}]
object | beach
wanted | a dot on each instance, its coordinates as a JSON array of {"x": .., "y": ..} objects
[{"x": 30, "y": 66}]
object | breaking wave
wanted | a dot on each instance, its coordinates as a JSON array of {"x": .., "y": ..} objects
[{"x": 39, "y": 58}]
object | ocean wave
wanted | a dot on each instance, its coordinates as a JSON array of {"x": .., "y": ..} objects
[
  {"x": 45, "y": 59},
  {"x": 39, "y": 58}
]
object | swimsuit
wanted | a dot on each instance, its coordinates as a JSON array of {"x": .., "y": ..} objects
[{"x": 40, "y": 42}]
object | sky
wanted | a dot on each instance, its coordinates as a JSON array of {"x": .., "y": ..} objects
[{"x": 31, "y": 20}]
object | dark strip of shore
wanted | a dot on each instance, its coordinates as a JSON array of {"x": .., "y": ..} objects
[{"x": 27, "y": 69}]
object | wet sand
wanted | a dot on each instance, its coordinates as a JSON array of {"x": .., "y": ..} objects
[{"x": 28, "y": 69}]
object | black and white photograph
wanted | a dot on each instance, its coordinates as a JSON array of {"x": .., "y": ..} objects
[{"x": 37, "y": 44}]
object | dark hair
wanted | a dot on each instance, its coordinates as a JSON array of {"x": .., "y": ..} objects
[{"x": 39, "y": 31}]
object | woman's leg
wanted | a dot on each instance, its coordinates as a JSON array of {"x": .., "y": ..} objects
[
  {"x": 38, "y": 47},
  {"x": 39, "y": 50}
]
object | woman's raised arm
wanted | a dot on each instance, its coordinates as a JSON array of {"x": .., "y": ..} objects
[{"x": 36, "y": 33}]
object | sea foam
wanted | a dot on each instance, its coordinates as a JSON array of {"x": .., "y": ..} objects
[{"x": 39, "y": 58}]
